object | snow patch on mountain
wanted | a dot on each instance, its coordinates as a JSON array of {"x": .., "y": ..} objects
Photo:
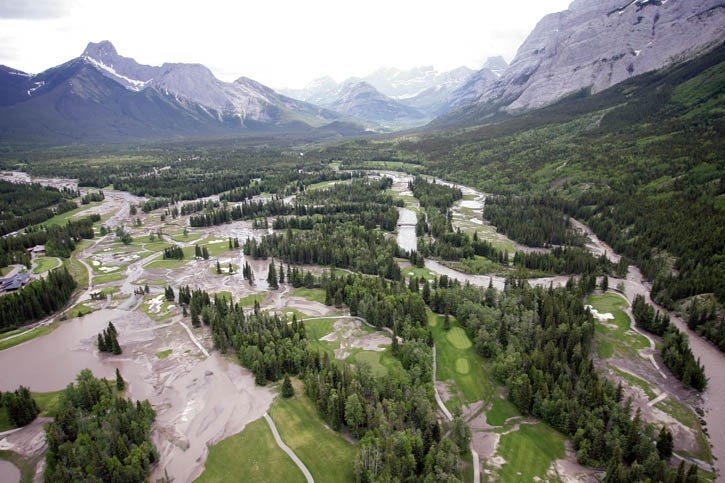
[{"x": 129, "y": 83}]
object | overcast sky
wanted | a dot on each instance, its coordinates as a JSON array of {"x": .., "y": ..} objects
[{"x": 281, "y": 43}]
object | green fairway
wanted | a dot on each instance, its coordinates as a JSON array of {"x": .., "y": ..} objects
[
  {"x": 458, "y": 362},
  {"x": 615, "y": 335},
  {"x": 251, "y": 456},
  {"x": 78, "y": 310},
  {"x": 47, "y": 402},
  {"x": 417, "y": 273},
  {"x": 7, "y": 342},
  {"x": 327, "y": 455},
  {"x": 44, "y": 264},
  {"x": 462, "y": 366},
  {"x": 107, "y": 278},
  {"x": 63, "y": 218},
  {"x": 317, "y": 328},
  {"x": 164, "y": 353},
  {"x": 169, "y": 264},
  {"x": 529, "y": 452},
  {"x": 248, "y": 300},
  {"x": 500, "y": 411},
  {"x": 637, "y": 381},
  {"x": 314, "y": 294},
  {"x": 688, "y": 418},
  {"x": 380, "y": 362},
  {"x": 457, "y": 336}
]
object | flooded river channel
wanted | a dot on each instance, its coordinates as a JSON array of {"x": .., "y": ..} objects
[{"x": 203, "y": 397}]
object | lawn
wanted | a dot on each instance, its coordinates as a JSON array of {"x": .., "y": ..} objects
[
  {"x": 169, "y": 264},
  {"x": 47, "y": 402},
  {"x": 328, "y": 456},
  {"x": 638, "y": 382},
  {"x": 248, "y": 300},
  {"x": 78, "y": 272},
  {"x": 164, "y": 353},
  {"x": 500, "y": 411},
  {"x": 615, "y": 335},
  {"x": 224, "y": 269},
  {"x": 7, "y": 343},
  {"x": 78, "y": 310},
  {"x": 317, "y": 328},
  {"x": 687, "y": 417},
  {"x": 44, "y": 264},
  {"x": 417, "y": 273},
  {"x": 190, "y": 236},
  {"x": 108, "y": 278},
  {"x": 63, "y": 218},
  {"x": 250, "y": 456},
  {"x": 529, "y": 452},
  {"x": 458, "y": 362},
  {"x": 314, "y": 294},
  {"x": 380, "y": 362}
]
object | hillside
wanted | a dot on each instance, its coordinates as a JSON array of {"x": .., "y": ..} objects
[{"x": 642, "y": 163}]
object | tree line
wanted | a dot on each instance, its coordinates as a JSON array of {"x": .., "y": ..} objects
[{"x": 676, "y": 352}]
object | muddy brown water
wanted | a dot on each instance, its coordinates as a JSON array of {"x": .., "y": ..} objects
[{"x": 9, "y": 472}]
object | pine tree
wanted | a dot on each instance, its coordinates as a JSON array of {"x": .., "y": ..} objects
[
  {"x": 218, "y": 267},
  {"x": 665, "y": 443},
  {"x": 281, "y": 273},
  {"x": 120, "y": 383},
  {"x": 287, "y": 389},
  {"x": 116, "y": 348},
  {"x": 272, "y": 276}
]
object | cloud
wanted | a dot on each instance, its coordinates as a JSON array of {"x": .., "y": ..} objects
[{"x": 33, "y": 9}]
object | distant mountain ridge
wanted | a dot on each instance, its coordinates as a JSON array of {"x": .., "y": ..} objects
[
  {"x": 103, "y": 96},
  {"x": 362, "y": 100},
  {"x": 423, "y": 90}
]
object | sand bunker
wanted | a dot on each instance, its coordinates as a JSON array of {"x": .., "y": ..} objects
[{"x": 602, "y": 317}]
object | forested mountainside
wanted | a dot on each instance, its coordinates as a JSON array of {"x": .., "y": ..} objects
[{"x": 641, "y": 163}]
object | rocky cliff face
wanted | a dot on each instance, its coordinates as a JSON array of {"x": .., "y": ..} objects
[{"x": 598, "y": 43}]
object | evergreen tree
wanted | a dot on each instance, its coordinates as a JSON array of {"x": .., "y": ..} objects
[
  {"x": 281, "y": 273},
  {"x": 116, "y": 348},
  {"x": 272, "y": 276},
  {"x": 120, "y": 383},
  {"x": 287, "y": 389},
  {"x": 218, "y": 267},
  {"x": 665, "y": 443}
]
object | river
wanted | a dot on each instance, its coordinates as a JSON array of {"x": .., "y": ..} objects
[
  {"x": 201, "y": 400},
  {"x": 712, "y": 358}
]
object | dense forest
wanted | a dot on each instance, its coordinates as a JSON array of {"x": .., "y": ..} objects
[
  {"x": 40, "y": 298},
  {"x": 59, "y": 241},
  {"x": 97, "y": 435},
  {"x": 20, "y": 406},
  {"x": 23, "y": 204},
  {"x": 639, "y": 163}
]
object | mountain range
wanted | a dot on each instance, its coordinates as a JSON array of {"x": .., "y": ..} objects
[
  {"x": 589, "y": 47},
  {"x": 102, "y": 96}
]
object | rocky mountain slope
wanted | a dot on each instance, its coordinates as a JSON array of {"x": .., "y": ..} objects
[
  {"x": 596, "y": 44},
  {"x": 362, "y": 100}
]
